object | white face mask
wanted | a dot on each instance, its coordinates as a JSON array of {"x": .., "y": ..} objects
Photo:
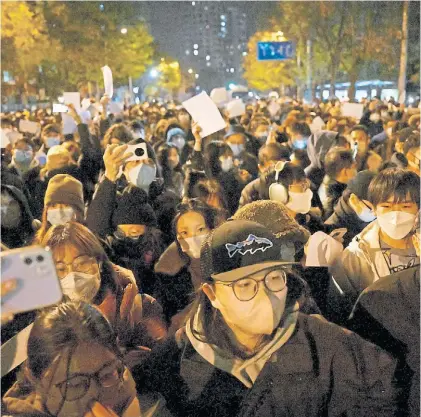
[
  {"x": 191, "y": 246},
  {"x": 142, "y": 176},
  {"x": 226, "y": 164},
  {"x": 178, "y": 141},
  {"x": 396, "y": 224},
  {"x": 300, "y": 202},
  {"x": 80, "y": 287},
  {"x": 258, "y": 316},
  {"x": 236, "y": 149},
  {"x": 367, "y": 215},
  {"x": 60, "y": 215}
]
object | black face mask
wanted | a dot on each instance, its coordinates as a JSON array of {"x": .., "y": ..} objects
[{"x": 129, "y": 247}]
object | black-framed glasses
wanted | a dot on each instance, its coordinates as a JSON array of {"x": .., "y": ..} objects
[
  {"x": 245, "y": 289},
  {"x": 78, "y": 385},
  {"x": 83, "y": 263}
]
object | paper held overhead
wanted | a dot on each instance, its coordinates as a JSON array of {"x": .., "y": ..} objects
[
  {"x": 236, "y": 108},
  {"x": 108, "y": 80},
  {"x": 72, "y": 98},
  {"x": 354, "y": 110},
  {"x": 219, "y": 96},
  {"x": 204, "y": 111},
  {"x": 69, "y": 125},
  {"x": 28, "y": 126},
  {"x": 317, "y": 124}
]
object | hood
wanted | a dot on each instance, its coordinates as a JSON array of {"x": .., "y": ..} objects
[
  {"x": 22, "y": 400},
  {"x": 170, "y": 262},
  {"x": 318, "y": 146},
  {"x": 20, "y": 197}
]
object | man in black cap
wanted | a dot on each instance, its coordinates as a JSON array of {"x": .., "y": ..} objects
[{"x": 353, "y": 210}]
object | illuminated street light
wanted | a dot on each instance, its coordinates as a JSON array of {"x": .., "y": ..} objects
[
  {"x": 207, "y": 57},
  {"x": 196, "y": 76},
  {"x": 123, "y": 31},
  {"x": 190, "y": 71},
  {"x": 153, "y": 73},
  {"x": 174, "y": 65}
]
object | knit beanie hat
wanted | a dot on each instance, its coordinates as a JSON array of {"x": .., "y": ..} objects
[
  {"x": 360, "y": 183},
  {"x": 132, "y": 208},
  {"x": 275, "y": 217},
  {"x": 58, "y": 157},
  {"x": 65, "y": 189}
]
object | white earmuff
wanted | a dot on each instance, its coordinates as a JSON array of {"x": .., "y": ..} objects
[{"x": 277, "y": 192}]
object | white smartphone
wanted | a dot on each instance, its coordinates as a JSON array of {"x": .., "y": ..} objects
[
  {"x": 60, "y": 108},
  {"x": 140, "y": 152},
  {"x": 29, "y": 280}
]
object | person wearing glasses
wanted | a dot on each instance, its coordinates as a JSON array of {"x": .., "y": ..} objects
[
  {"x": 246, "y": 350},
  {"x": 86, "y": 274},
  {"x": 74, "y": 369}
]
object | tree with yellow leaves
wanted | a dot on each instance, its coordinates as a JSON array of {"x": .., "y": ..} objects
[{"x": 267, "y": 75}]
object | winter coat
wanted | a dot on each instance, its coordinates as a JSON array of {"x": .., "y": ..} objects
[
  {"x": 345, "y": 217},
  {"x": 322, "y": 370},
  {"x": 387, "y": 313},
  {"x": 250, "y": 193},
  {"x": 330, "y": 192},
  {"x": 177, "y": 279},
  {"x": 362, "y": 262}
]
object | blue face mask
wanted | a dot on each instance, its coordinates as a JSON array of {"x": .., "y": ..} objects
[
  {"x": 53, "y": 141},
  {"x": 299, "y": 144},
  {"x": 142, "y": 176},
  {"x": 23, "y": 157}
]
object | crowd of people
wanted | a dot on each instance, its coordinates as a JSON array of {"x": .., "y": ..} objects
[{"x": 189, "y": 281}]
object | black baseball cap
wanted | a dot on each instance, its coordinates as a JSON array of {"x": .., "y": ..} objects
[{"x": 239, "y": 248}]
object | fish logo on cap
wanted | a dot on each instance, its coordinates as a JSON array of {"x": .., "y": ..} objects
[{"x": 251, "y": 245}]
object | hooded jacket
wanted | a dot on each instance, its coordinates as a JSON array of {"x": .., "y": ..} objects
[
  {"x": 344, "y": 216},
  {"x": 322, "y": 370},
  {"x": 362, "y": 263},
  {"x": 24, "y": 233}
]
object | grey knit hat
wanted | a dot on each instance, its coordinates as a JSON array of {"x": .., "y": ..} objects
[{"x": 275, "y": 217}]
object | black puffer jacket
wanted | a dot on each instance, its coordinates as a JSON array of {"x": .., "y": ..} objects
[{"x": 322, "y": 370}]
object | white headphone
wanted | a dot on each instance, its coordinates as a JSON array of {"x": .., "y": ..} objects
[{"x": 277, "y": 192}]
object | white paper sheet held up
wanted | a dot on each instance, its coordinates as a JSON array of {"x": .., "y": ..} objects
[
  {"x": 317, "y": 124},
  {"x": 72, "y": 98},
  {"x": 115, "y": 107},
  {"x": 354, "y": 110},
  {"x": 236, "y": 108},
  {"x": 219, "y": 96},
  {"x": 204, "y": 111},
  {"x": 69, "y": 125},
  {"x": 108, "y": 80},
  {"x": 28, "y": 126}
]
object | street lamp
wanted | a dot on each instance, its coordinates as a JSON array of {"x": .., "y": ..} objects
[
  {"x": 196, "y": 76},
  {"x": 153, "y": 73},
  {"x": 190, "y": 71},
  {"x": 123, "y": 31}
]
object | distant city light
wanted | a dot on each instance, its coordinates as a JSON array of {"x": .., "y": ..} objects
[
  {"x": 231, "y": 86},
  {"x": 123, "y": 31},
  {"x": 208, "y": 64},
  {"x": 187, "y": 52},
  {"x": 198, "y": 88},
  {"x": 207, "y": 57},
  {"x": 227, "y": 70},
  {"x": 232, "y": 70},
  {"x": 135, "y": 90},
  {"x": 193, "y": 3},
  {"x": 196, "y": 76},
  {"x": 206, "y": 8},
  {"x": 101, "y": 7},
  {"x": 222, "y": 17},
  {"x": 222, "y": 23},
  {"x": 196, "y": 52},
  {"x": 195, "y": 46},
  {"x": 244, "y": 53},
  {"x": 162, "y": 59},
  {"x": 153, "y": 73},
  {"x": 250, "y": 94},
  {"x": 190, "y": 71}
]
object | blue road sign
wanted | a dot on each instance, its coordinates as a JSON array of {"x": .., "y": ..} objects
[{"x": 275, "y": 51}]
